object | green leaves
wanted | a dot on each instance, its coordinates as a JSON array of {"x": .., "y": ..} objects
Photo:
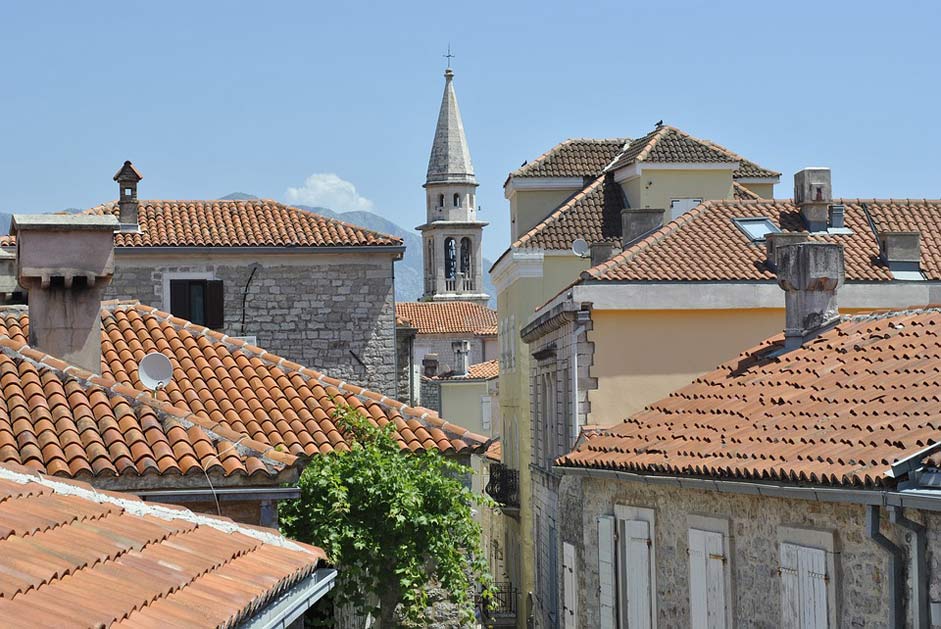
[{"x": 391, "y": 520}]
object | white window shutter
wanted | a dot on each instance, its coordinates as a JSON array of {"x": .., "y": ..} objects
[
  {"x": 569, "y": 587},
  {"x": 790, "y": 588},
  {"x": 812, "y": 567},
  {"x": 698, "y": 605},
  {"x": 485, "y": 412},
  {"x": 635, "y": 574},
  {"x": 715, "y": 580},
  {"x": 606, "y": 571}
]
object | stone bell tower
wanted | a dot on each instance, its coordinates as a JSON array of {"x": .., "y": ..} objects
[{"x": 451, "y": 235}]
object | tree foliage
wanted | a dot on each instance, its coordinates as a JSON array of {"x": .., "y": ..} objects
[{"x": 392, "y": 521}]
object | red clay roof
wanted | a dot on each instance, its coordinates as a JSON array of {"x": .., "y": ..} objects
[
  {"x": 448, "y": 317},
  {"x": 236, "y": 223},
  {"x": 478, "y": 371},
  {"x": 72, "y": 556},
  {"x": 576, "y": 157},
  {"x": 838, "y": 411},
  {"x": 704, "y": 244},
  {"x": 742, "y": 193}
]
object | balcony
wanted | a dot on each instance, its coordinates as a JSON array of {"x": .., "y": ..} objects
[
  {"x": 504, "y": 486},
  {"x": 499, "y": 611}
]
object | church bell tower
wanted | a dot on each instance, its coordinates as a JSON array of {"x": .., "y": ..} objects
[{"x": 451, "y": 235}]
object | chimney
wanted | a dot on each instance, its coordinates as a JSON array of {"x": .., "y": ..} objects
[
  {"x": 901, "y": 251},
  {"x": 601, "y": 252},
  {"x": 461, "y": 354},
  {"x": 430, "y": 365},
  {"x": 65, "y": 262},
  {"x": 127, "y": 178},
  {"x": 810, "y": 274},
  {"x": 776, "y": 240},
  {"x": 638, "y": 222},
  {"x": 813, "y": 194}
]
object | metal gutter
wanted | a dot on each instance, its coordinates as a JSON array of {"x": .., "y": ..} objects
[
  {"x": 222, "y": 494},
  {"x": 143, "y": 250},
  {"x": 877, "y": 497},
  {"x": 290, "y": 605},
  {"x": 920, "y": 609},
  {"x": 913, "y": 462},
  {"x": 896, "y": 560}
]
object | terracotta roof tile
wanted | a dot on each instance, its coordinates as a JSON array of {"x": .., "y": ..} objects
[
  {"x": 577, "y": 157},
  {"x": 704, "y": 243},
  {"x": 478, "y": 371},
  {"x": 74, "y": 556},
  {"x": 838, "y": 411},
  {"x": 742, "y": 193},
  {"x": 231, "y": 223},
  {"x": 447, "y": 317}
]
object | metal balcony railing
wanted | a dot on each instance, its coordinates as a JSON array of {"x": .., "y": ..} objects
[
  {"x": 504, "y": 485},
  {"x": 499, "y": 611}
]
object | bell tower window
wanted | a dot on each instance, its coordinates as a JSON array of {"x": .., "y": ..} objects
[
  {"x": 457, "y": 200},
  {"x": 440, "y": 200},
  {"x": 450, "y": 258},
  {"x": 466, "y": 256}
]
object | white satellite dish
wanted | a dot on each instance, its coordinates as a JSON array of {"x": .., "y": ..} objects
[
  {"x": 580, "y": 248},
  {"x": 155, "y": 371}
]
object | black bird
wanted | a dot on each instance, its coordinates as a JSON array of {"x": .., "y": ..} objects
[{"x": 659, "y": 123}]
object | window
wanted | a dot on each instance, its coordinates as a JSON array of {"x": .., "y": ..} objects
[
  {"x": 485, "y": 412},
  {"x": 808, "y": 578},
  {"x": 756, "y": 228},
  {"x": 626, "y": 564},
  {"x": 450, "y": 258},
  {"x": 569, "y": 587},
  {"x": 440, "y": 201},
  {"x": 678, "y": 207},
  {"x": 457, "y": 200},
  {"x": 707, "y": 579},
  {"x": 201, "y": 301}
]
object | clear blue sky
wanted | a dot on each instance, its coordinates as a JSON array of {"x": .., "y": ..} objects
[{"x": 210, "y": 98}]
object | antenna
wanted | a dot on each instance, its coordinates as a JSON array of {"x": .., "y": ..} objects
[
  {"x": 580, "y": 248},
  {"x": 155, "y": 371}
]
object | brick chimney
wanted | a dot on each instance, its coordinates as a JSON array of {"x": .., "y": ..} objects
[
  {"x": 813, "y": 194},
  {"x": 461, "y": 357},
  {"x": 127, "y": 178},
  {"x": 810, "y": 274},
  {"x": 65, "y": 262},
  {"x": 638, "y": 222}
]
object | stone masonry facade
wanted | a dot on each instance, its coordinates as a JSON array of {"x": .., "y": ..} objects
[
  {"x": 860, "y": 578},
  {"x": 334, "y": 313},
  {"x": 440, "y": 344}
]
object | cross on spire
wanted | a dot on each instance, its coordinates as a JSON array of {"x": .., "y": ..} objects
[{"x": 449, "y": 56}]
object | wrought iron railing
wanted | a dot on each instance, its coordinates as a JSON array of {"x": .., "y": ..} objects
[
  {"x": 502, "y": 606},
  {"x": 504, "y": 485}
]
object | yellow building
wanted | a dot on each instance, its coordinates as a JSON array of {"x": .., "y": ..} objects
[{"x": 587, "y": 189}]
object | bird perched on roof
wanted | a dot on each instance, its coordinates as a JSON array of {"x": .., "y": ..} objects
[{"x": 659, "y": 123}]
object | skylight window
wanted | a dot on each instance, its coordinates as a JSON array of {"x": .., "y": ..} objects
[{"x": 756, "y": 228}]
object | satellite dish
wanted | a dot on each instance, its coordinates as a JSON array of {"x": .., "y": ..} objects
[
  {"x": 155, "y": 371},
  {"x": 580, "y": 248}
]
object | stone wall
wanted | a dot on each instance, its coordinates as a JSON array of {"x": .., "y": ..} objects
[
  {"x": 406, "y": 368},
  {"x": 430, "y": 394},
  {"x": 440, "y": 344},
  {"x": 754, "y": 525},
  {"x": 333, "y": 313}
]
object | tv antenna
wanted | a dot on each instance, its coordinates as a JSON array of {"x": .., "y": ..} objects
[
  {"x": 155, "y": 371},
  {"x": 580, "y": 248}
]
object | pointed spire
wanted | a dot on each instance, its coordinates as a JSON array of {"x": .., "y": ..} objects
[{"x": 450, "y": 159}]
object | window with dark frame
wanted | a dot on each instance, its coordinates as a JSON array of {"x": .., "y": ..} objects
[{"x": 199, "y": 301}]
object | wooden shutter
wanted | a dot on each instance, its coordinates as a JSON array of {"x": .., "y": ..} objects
[
  {"x": 215, "y": 304},
  {"x": 790, "y": 589},
  {"x": 569, "y": 588},
  {"x": 803, "y": 587},
  {"x": 606, "y": 571},
  {"x": 634, "y": 574},
  {"x": 485, "y": 412},
  {"x": 180, "y": 298},
  {"x": 707, "y": 579}
]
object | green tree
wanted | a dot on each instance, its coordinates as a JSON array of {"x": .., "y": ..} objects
[{"x": 392, "y": 522}]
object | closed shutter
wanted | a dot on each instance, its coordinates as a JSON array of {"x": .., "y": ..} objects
[
  {"x": 485, "y": 412},
  {"x": 569, "y": 585},
  {"x": 634, "y": 574},
  {"x": 803, "y": 587},
  {"x": 215, "y": 304},
  {"x": 790, "y": 589},
  {"x": 606, "y": 573},
  {"x": 180, "y": 299},
  {"x": 707, "y": 579}
]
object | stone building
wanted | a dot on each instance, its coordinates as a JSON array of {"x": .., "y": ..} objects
[
  {"x": 790, "y": 487},
  {"x": 315, "y": 290}
]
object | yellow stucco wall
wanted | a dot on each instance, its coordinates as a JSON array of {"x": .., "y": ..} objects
[
  {"x": 656, "y": 188},
  {"x": 529, "y": 207},
  {"x": 460, "y": 403},
  {"x": 763, "y": 190}
]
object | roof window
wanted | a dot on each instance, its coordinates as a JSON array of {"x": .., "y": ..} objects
[{"x": 756, "y": 228}]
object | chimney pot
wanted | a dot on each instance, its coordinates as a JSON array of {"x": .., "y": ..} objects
[
  {"x": 638, "y": 222},
  {"x": 813, "y": 194},
  {"x": 810, "y": 273},
  {"x": 601, "y": 252},
  {"x": 461, "y": 355},
  {"x": 66, "y": 263}
]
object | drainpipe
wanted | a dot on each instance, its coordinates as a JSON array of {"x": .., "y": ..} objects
[
  {"x": 581, "y": 319},
  {"x": 896, "y": 561},
  {"x": 920, "y": 612}
]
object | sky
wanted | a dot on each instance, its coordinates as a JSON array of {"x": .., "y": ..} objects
[{"x": 334, "y": 104}]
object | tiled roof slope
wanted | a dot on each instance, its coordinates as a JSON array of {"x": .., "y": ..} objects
[
  {"x": 742, "y": 193},
  {"x": 593, "y": 214},
  {"x": 244, "y": 392},
  {"x": 838, "y": 411},
  {"x": 478, "y": 371},
  {"x": 62, "y": 420},
  {"x": 236, "y": 223},
  {"x": 577, "y": 157},
  {"x": 447, "y": 317},
  {"x": 704, "y": 244},
  {"x": 71, "y": 556}
]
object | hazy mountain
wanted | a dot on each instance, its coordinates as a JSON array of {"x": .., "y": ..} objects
[{"x": 238, "y": 196}]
